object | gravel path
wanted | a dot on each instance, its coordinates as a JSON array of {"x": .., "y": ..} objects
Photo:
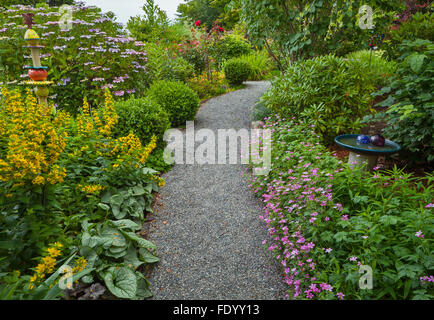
[{"x": 207, "y": 229}]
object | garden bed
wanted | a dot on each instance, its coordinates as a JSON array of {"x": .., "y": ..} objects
[{"x": 326, "y": 221}]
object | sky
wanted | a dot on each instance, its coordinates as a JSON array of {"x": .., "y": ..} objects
[{"x": 124, "y": 9}]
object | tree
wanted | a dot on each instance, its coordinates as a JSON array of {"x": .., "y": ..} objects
[
  {"x": 227, "y": 12},
  {"x": 306, "y": 28},
  {"x": 152, "y": 25},
  {"x": 231, "y": 11}
]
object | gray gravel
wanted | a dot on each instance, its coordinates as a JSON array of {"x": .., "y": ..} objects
[{"x": 207, "y": 229}]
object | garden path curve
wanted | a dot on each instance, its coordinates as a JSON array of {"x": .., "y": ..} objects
[{"x": 207, "y": 229}]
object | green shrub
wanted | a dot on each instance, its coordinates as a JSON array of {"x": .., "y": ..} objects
[
  {"x": 410, "y": 116},
  {"x": 260, "y": 64},
  {"x": 326, "y": 220},
  {"x": 260, "y": 112},
  {"x": 156, "y": 60},
  {"x": 152, "y": 26},
  {"x": 162, "y": 66},
  {"x": 326, "y": 91},
  {"x": 195, "y": 56},
  {"x": 156, "y": 161},
  {"x": 231, "y": 46},
  {"x": 419, "y": 26},
  {"x": 86, "y": 183},
  {"x": 379, "y": 69},
  {"x": 177, "y": 31},
  {"x": 144, "y": 117},
  {"x": 236, "y": 71},
  {"x": 209, "y": 85},
  {"x": 177, "y": 99},
  {"x": 178, "y": 69}
]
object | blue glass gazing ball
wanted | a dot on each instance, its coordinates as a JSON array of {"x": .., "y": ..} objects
[{"x": 362, "y": 139}]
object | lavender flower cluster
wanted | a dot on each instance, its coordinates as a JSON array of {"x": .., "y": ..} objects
[{"x": 95, "y": 52}]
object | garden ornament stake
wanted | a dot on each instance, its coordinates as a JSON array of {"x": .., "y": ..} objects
[
  {"x": 372, "y": 45},
  {"x": 37, "y": 73}
]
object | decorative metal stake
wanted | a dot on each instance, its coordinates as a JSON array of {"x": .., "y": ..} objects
[{"x": 37, "y": 73}]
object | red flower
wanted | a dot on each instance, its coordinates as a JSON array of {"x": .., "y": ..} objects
[
  {"x": 221, "y": 29},
  {"x": 197, "y": 23}
]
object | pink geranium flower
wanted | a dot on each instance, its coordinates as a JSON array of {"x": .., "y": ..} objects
[{"x": 419, "y": 234}]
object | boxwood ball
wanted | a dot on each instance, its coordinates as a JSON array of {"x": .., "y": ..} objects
[
  {"x": 378, "y": 140},
  {"x": 362, "y": 139}
]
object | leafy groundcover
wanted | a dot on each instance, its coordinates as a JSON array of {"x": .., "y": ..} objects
[{"x": 327, "y": 222}]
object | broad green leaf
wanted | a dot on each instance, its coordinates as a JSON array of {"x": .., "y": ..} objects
[
  {"x": 143, "y": 291},
  {"x": 138, "y": 191},
  {"x": 90, "y": 255},
  {"x": 112, "y": 237},
  {"x": 386, "y": 103},
  {"x": 118, "y": 213},
  {"x": 116, "y": 200},
  {"x": 147, "y": 256},
  {"x": 117, "y": 255},
  {"x": 148, "y": 188},
  {"x": 142, "y": 242},
  {"x": 131, "y": 259},
  {"x": 106, "y": 197},
  {"x": 104, "y": 206},
  {"x": 122, "y": 282},
  {"x": 117, "y": 249},
  {"x": 89, "y": 241},
  {"x": 416, "y": 61},
  {"x": 126, "y": 224}
]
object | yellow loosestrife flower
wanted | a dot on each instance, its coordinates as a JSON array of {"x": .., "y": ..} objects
[
  {"x": 91, "y": 189},
  {"x": 46, "y": 266},
  {"x": 33, "y": 140}
]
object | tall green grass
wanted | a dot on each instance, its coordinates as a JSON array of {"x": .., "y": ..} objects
[
  {"x": 379, "y": 69},
  {"x": 260, "y": 63}
]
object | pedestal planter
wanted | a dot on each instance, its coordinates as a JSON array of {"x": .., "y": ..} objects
[{"x": 365, "y": 154}]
